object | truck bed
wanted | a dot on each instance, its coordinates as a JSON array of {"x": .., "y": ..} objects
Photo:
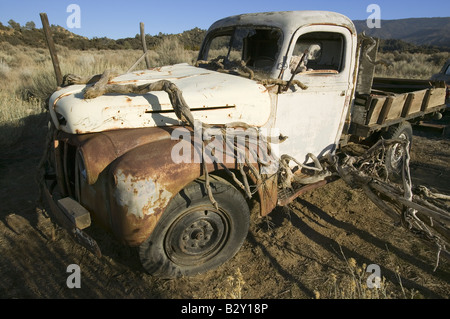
[{"x": 392, "y": 101}]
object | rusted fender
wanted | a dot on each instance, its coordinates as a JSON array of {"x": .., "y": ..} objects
[{"x": 131, "y": 178}]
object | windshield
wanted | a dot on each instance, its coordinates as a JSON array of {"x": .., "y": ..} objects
[{"x": 253, "y": 48}]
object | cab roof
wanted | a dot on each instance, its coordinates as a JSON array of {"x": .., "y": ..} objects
[{"x": 288, "y": 21}]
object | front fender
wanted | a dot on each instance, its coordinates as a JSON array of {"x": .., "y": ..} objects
[
  {"x": 131, "y": 181},
  {"x": 144, "y": 181}
]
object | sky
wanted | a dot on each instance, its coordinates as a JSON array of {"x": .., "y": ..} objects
[{"x": 117, "y": 19}]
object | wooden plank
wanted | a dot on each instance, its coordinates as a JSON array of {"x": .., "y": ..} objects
[
  {"x": 418, "y": 101},
  {"x": 407, "y": 107},
  {"x": 426, "y": 101},
  {"x": 402, "y": 83},
  {"x": 367, "y": 130},
  {"x": 359, "y": 114},
  {"x": 376, "y": 105},
  {"x": 431, "y": 127},
  {"x": 385, "y": 111},
  {"x": 77, "y": 214},
  {"x": 396, "y": 108},
  {"x": 436, "y": 98},
  {"x": 402, "y": 86}
]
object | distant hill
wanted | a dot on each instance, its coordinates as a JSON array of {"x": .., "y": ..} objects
[
  {"x": 418, "y": 31},
  {"x": 413, "y": 35}
]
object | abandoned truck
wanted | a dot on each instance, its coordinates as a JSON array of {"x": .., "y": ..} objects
[{"x": 133, "y": 152}]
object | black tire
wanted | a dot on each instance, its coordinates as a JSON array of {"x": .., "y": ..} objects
[
  {"x": 394, "y": 154},
  {"x": 193, "y": 237}
]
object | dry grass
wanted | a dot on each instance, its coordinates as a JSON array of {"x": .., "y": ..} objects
[
  {"x": 411, "y": 66},
  {"x": 27, "y": 78},
  {"x": 353, "y": 283},
  {"x": 233, "y": 288}
]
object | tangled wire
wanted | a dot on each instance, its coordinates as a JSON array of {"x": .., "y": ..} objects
[{"x": 428, "y": 221}]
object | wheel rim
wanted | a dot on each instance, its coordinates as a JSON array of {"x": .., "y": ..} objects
[{"x": 197, "y": 236}]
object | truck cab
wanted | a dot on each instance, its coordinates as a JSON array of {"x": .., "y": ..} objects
[{"x": 273, "y": 45}]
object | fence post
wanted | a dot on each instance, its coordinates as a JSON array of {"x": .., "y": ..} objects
[
  {"x": 144, "y": 45},
  {"x": 52, "y": 48}
]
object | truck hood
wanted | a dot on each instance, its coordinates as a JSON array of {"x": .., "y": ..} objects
[{"x": 214, "y": 98}]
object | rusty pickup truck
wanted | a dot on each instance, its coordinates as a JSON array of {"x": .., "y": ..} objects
[{"x": 172, "y": 160}]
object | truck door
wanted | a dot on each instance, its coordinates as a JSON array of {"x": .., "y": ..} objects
[{"x": 313, "y": 119}]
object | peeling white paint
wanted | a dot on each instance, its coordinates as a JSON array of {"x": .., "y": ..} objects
[
  {"x": 243, "y": 99},
  {"x": 140, "y": 197}
]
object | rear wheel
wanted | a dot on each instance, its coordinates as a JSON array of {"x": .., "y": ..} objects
[
  {"x": 395, "y": 153},
  {"x": 193, "y": 236}
]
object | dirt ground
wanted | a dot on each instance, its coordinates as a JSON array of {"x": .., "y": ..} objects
[{"x": 301, "y": 252}]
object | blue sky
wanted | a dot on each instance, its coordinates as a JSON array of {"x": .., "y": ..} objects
[{"x": 120, "y": 18}]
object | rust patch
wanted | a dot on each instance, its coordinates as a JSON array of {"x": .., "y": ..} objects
[
  {"x": 140, "y": 196},
  {"x": 101, "y": 149}
]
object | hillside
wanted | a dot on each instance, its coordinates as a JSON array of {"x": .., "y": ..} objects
[{"x": 418, "y": 31}]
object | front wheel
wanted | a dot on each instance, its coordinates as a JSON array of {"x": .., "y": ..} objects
[{"x": 193, "y": 236}]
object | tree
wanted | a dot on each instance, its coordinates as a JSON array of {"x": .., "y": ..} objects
[
  {"x": 30, "y": 25},
  {"x": 15, "y": 25}
]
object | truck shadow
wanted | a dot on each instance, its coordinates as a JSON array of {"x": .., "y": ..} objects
[{"x": 306, "y": 227}]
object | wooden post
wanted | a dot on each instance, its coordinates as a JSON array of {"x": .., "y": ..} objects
[
  {"x": 144, "y": 45},
  {"x": 52, "y": 48}
]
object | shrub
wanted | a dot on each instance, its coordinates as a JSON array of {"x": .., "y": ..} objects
[{"x": 171, "y": 52}]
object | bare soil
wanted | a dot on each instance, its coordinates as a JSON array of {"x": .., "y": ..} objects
[{"x": 294, "y": 254}]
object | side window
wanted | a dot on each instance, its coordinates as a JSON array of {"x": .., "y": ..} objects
[
  {"x": 318, "y": 52},
  {"x": 219, "y": 46}
]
